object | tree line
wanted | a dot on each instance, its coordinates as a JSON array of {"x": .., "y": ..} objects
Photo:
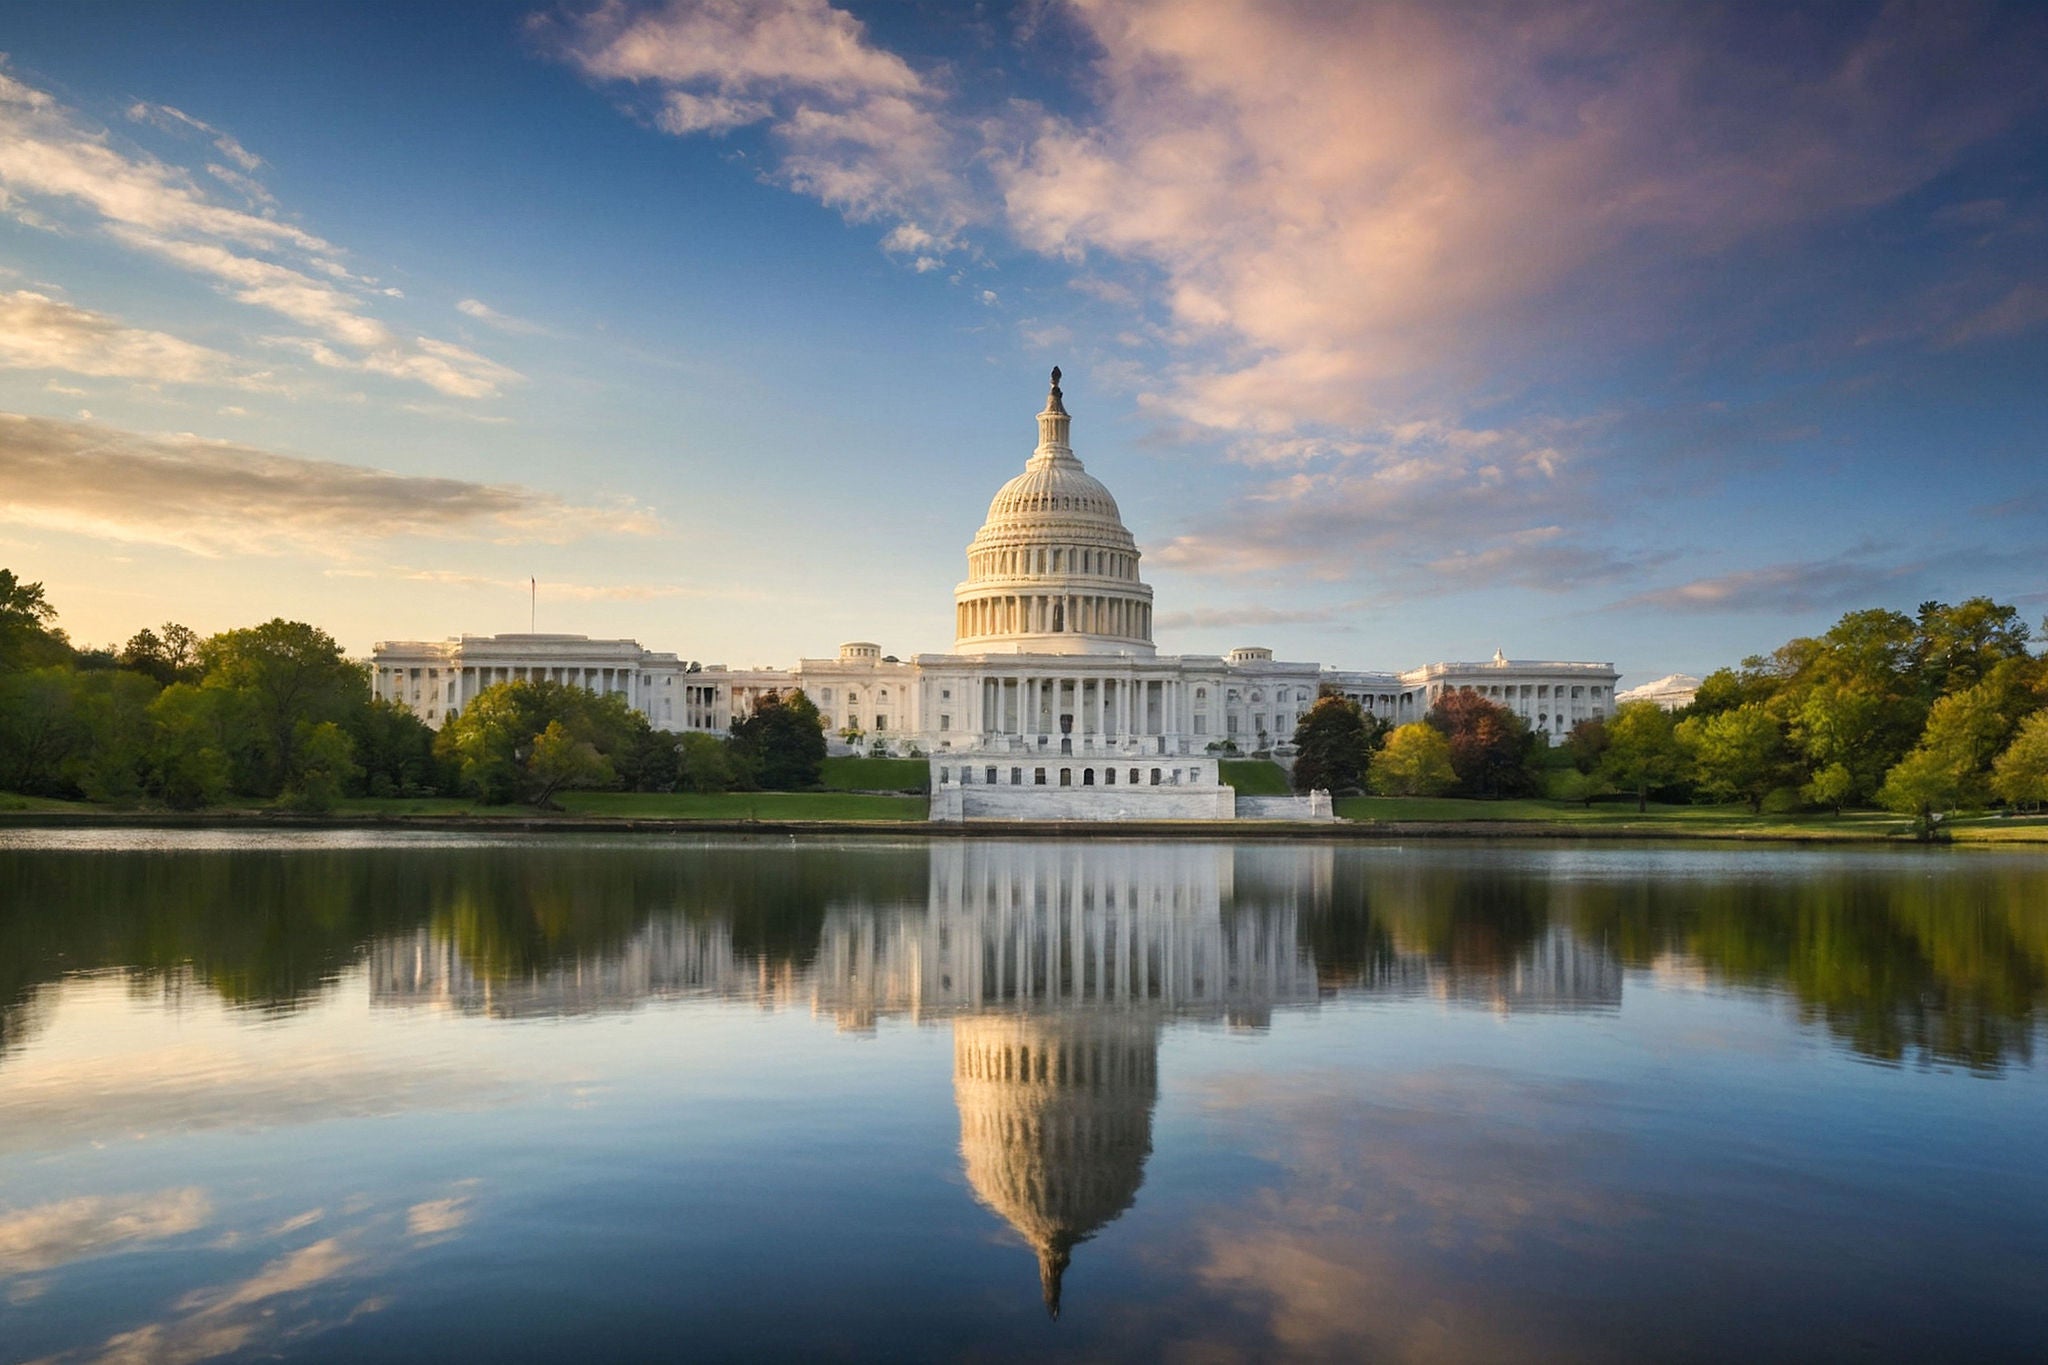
[
  {"x": 1945, "y": 710},
  {"x": 276, "y": 713}
]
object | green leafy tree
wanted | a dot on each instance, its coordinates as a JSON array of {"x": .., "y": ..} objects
[
  {"x": 1737, "y": 754},
  {"x": 2020, "y": 775},
  {"x": 116, "y": 733},
  {"x": 42, "y": 730},
  {"x": 1950, "y": 767},
  {"x": 490, "y": 746},
  {"x": 1643, "y": 751},
  {"x": 188, "y": 765},
  {"x": 561, "y": 760},
  {"x": 781, "y": 743},
  {"x": 394, "y": 750},
  {"x": 1958, "y": 646},
  {"x": 1415, "y": 761},
  {"x": 1492, "y": 750},
  {"x": 28, "y": 637},
  {"x": 324, "y": 768},
  {"x": 292, "y": 677},
  {"x": 170, "y": 654},
  {"x": 1831, "y": 786},
  {"x": 1573, "y": 785},
  {"x": 1586, "y": 743},
  {"x": 704, "y": 763},
  {"x": 1334, "y": 742}
]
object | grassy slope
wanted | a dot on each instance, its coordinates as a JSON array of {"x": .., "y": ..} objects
[
  {"x": 1679, "y": 820},
  {"x": 876, "y": 775},
  {"x": 1255, "y": 777}
]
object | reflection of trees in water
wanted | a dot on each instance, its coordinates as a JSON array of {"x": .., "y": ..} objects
[
  {"x": 1898, "y": 964},
  {"x": 271, "y": 929},
  {"x": 1938, "y": 960}
]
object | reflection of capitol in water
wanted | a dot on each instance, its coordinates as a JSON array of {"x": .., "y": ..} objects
[{"x": 1058, "y": 967}]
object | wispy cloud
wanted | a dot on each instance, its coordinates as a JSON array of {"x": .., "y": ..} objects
[
  {"x": 53, "y": 165},
  {"x": 1221, "y": 618},
  {"x": 215, "y": 497},
  {"x": 504, "y": 322},
  {"x": 552, "y": 589},
  {"x": 1851, "y": 579},
  {"x": 38, "y": 332},
  {"x": 855, "y": 126}
]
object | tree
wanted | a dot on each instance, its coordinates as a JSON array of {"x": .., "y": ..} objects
[
  {"x": 1642, "y": 750},
  {"x": 2020, "y": 775},
  {"x": 1492, "y": 750},
  {"x": 704, "y": 763},
  {"x": 293, "y": 677},
  {"x": 1738, "y": 753},
  {"x": 1415, "y": 761},
  {"x": 394, "y": 750},
  {"x": 1334, "y": 742},
  {"x": 493, "y": 746},
  {"x": 1957, "y": 647},
  {"x": 169, "y": 655},
  {"x": 188, "y": 765},
  {"x": 27, "y": 639},
  {"x": 325, "y": 766},
  {"x": 1950, "y": 766},
  {"x": 1586, "y": 743},
  {"x": 558, "y": 760},
  {"x": 781, "y": 743},
  {"x": 1831, "y": 786}
]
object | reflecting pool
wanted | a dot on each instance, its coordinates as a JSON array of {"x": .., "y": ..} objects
[{"x": 411, "y": 1096}]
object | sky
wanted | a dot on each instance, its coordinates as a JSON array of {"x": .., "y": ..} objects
[{"x": 1647, "y": 333}]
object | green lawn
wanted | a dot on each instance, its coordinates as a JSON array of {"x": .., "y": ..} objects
[
  {"x": 855, "y": 774},
  {"x": 16, "y": 801},
  {"x": 1677, "y": 820},
  {"x": 1255, "y": 777}
]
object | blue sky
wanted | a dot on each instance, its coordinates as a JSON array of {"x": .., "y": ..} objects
[{"x": 1636, "y": 332}]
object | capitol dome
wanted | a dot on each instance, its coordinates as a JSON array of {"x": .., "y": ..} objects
[{"x": 1054, "y": 570}]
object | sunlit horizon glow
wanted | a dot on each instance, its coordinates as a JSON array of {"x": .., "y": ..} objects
[{"x": 1401, "y": 333}]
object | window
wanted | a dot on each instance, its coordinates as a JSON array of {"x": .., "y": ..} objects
[
  {"x": 881, "y": 723},
  {"x": 825, "y": 695},
  {"x": 945, "y": 722},
  {"x": 1109, "y": 777},
  {"x": 1155, "y": 777},
  {"x": 1016, "y": 777},
  {"x": 991, "y": 777},
  {"x": 1201, "y": 694},
  {"x": 1066, "y": 777},
  {"x": 1201, "y": 725},
  {"x": 1038, "y": 777},
  {"x": 945, "y": 694},
  {"x": 1134, "y": 777}
]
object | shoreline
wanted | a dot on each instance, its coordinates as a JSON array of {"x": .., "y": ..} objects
[{"x": 1375, "y": 831}]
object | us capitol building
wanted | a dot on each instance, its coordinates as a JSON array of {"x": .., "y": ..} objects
[{"x": 1053, "y": 679}]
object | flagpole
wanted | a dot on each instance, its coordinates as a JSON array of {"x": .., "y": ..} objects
[{"x": 532, "y": 605}]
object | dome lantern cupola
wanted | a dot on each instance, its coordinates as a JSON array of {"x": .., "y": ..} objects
[{"x": 1053, "y": 570}]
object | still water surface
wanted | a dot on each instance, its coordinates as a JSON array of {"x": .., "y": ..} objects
[{"x": 357, "y": 1097}]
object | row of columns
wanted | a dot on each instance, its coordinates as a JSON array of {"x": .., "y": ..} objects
[
  {"x": 1032, "y": 704},
  {"x": 1056, "y": 613}
]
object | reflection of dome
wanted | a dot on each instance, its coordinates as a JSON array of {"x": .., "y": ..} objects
[
  {"x": 1054, "y": 570},
  {"x": 1055, "y": 1124}
]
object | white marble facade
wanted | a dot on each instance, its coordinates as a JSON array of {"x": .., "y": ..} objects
[{"x": 1053, "y": 659}]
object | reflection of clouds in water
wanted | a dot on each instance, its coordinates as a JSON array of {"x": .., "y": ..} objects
[
  {"x": 294, "y": 1295},
  {"x": 50, "y": 1235},
  {"x": 437, "y": 1217},
  {"x": 1402, "y": 1226},
  {"x": 66, "y": 1103}
]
